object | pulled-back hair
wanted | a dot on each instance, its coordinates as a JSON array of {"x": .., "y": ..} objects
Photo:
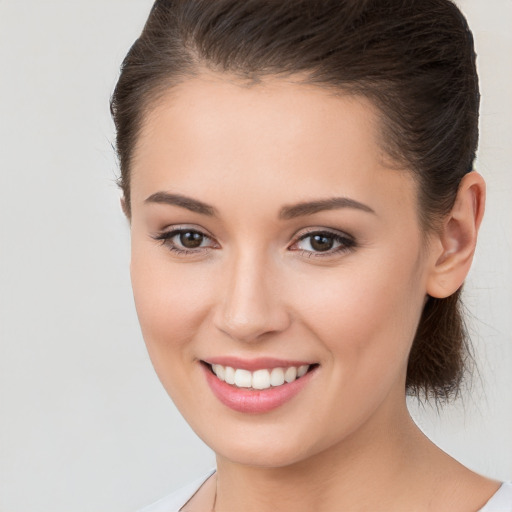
[{"x": 414, "y": 59}]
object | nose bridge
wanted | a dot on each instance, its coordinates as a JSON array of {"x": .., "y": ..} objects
[{"x": 250, "y": 305}]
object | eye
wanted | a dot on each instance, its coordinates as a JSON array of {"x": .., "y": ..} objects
[
  {"x": 185, "y": 240},
  {"x": 319, "y": 243}
]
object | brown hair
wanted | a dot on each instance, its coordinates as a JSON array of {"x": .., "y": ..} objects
[{"x": 413, "y": 58}]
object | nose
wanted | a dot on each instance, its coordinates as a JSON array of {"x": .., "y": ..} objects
[{"x": 250, "y": 306}]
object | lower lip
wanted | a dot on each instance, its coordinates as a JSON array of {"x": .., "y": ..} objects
[{"x": 254, "y": 401}]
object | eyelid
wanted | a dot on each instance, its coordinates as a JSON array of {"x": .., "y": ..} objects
[
  {"x": 323, "y": 231},
  {"x": 300, "y": 235},
  {"x": 346, "y": 242},
  {"x": 174, "y": 229},
  {"x": 166, "y": 235}
]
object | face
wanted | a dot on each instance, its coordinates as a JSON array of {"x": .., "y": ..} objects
[{"x": 273, "y": 245}]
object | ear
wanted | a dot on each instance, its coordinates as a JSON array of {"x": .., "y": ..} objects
[{"x": 454, "y": 244}]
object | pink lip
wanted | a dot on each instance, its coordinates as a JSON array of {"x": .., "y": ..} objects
[
  {"x": 260, "y": 363},
  {"x": 254, "y": 401}
]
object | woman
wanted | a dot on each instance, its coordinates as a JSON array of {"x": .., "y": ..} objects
[{"x": 304, "y": 210}]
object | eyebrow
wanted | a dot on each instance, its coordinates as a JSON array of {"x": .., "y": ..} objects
[
  {"x": 286, "y": 212},
  {"x": 183, "y": 201},
  {"x": 311, "y": 207}
]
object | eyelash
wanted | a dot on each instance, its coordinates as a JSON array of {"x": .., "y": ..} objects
[
  {"x": 346, "y": 242},
  {"x": 166, "y": 237}
]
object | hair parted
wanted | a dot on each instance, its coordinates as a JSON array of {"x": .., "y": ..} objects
[{"x": 414, "y": 59}]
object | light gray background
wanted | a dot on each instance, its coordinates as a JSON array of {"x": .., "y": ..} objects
[{"x": 84, "y": 423}]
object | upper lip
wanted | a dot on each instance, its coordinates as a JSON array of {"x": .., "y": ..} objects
[{"x": 259, "y": 363}]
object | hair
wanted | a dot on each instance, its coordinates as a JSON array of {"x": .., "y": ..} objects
[{"x": 414, "y": 59}]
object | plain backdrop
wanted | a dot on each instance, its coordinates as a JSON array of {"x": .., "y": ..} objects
[{"x": 84, "y": 423}]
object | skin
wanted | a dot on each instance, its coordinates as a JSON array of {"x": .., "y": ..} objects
[{"x": 255, "y": 289}]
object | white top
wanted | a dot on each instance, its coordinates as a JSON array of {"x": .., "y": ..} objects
[
  {"x": 500, "y": 502},
  {"x": 179, "y": 498}
]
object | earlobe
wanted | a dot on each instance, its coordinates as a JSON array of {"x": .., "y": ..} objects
[{"x": 457, "y": 238}]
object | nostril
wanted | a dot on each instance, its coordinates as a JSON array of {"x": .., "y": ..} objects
[
  {"x": 252, "y": 326},
  {"x": 249, "y": 307}
]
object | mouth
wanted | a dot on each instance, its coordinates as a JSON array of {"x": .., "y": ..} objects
[
  {"x": 258, "y": 390},
  {"x": 260, "y": 379}
]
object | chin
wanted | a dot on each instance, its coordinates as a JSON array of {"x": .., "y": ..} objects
[
  {"x": 266, "y": 445},
  {"x": 262, "y": 455}
]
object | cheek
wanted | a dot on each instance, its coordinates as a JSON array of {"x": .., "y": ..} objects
[
  {"x": 365, "y": 318},
  {"x": 367, "y": 314},
  {"x": 171, "y": 302}
]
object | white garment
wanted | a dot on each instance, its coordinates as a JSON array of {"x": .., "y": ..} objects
[
  {"x": 179, "y": 498},
  {"x": 500, "y": 502}
]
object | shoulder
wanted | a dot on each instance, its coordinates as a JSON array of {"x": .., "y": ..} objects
[
  {"x": 173, "y": 502},
  {"x": 501, "y": 501}
]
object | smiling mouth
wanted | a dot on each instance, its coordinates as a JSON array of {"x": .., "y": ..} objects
[{"x": 259, "y": 379}]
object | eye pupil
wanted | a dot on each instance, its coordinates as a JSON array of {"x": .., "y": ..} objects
[
  {"x": 322, "y": 242},
  {"x": 191, "y": 239}
]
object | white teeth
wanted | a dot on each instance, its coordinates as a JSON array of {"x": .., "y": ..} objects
[
  {"x": 229, "y": 375},
  {"x": 259, "y": 379},
  {"x": 277, "y": 377},
  {"x": 302, "y": 370},
  {"x": 243, "y": 378},
  {"x": 290, "y": 374},
  {"x": 219, "y": 371}
]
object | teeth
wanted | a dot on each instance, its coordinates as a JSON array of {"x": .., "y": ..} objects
[
  {"x": 277, "y": 377},
  {"x": 219, "y": 371},
  {"x": 229, "y": 375},
  {"x": 259, "y": 379},
  {"x": 290, "y": 374},
  {"x": 302, "y": 370},
  {"x": 243, "y": 378}
]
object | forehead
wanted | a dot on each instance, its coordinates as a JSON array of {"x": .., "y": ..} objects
[
  {"x": 287, "y": 111},
  {"x": 278, "y": 137}
]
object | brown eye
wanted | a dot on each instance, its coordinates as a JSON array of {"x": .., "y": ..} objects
[
  {"x": 191, "y": 239},
  {"x": 186, "y": 241},
  {"x": 322, "y": 243}
]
